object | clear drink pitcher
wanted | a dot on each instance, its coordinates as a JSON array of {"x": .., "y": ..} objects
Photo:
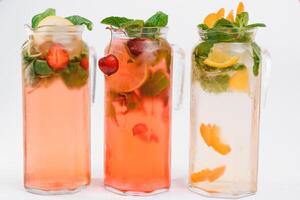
[
  {"x": 138, "y": 104},
  {"x": 56, "y": 101},
  {"x": 227, "y": 68}
]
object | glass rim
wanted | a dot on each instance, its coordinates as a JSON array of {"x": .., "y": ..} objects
[
  {"x": 56, "y": 29},
  {"x": 139, "y": 32},
  {"x": 252, "y": 30}
]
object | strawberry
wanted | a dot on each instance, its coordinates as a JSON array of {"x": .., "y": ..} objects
[
  {"x": 140, "y": 130},
  {"x": 84, "y": 63},
  {"x": 57, "y": 57},
  {"x": 153, "y": 138}
]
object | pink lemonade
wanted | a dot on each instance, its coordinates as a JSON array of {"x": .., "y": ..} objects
[
  {"x": 137, "y": 120},
  {"x": 56, "y": 101}
]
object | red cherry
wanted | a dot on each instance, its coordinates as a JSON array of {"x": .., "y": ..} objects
[
  {"x": 136, "y": 46},
  {"x": 84, "y": 63},
  {"x": 108, "y": 64},
  {"x": 57, "y": 57}
]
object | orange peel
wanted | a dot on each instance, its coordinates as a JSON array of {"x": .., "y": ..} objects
[{"x": 208, "y": 174}]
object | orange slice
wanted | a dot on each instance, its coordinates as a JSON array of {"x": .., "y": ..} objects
[
  {"x": 218, "y": 59},
  {"x": 211, "y": 136},
  {"x": 208, "y": 175},
  {"x": 240, "y": 8},
  {"x": 239, "y": 81},
  {"x": 230, "y": 16},
  {"x": 216, "y": 173},
  {"x": 211, "y": 19},
  {"x": 221, "y": 13}
]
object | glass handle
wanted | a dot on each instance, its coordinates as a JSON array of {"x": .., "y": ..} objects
[
  {"x": 93, "y": 71},
  {"x": 266, "y": 74},
  {"x": 178, "y": 75}
]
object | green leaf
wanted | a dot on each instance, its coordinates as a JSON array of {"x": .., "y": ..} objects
[
  {"x": 78, "y": 20},
  {"x": 256, "y": 51},
  {"x": 223, "y": 23},
  {"x": 115, "y": 21},
  {"x": 215, "y": 84},
  {"x": 203, "y": 49},
  {"x": 159, "y": 19},
  {"x": 133, "y": 28},
  {"x": 29, "y": 75},
  {"x": 42, "y": 68},
  {"x": 203, "y": 26},
  {"x": 242, "y": 19},
  {"x": 74, "y": 75},
  {"x": 39, "y": 17},
  {"x": 250, "y": 26},
  {"x": 155, "y": 84}
]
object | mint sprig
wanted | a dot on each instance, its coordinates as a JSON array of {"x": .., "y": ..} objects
[
  {"x": 39, "y": 17},
  {"x": 134, "y": 26}
]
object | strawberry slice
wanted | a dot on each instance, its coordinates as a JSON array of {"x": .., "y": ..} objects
[
  {"x": 57, "y": 57},
  {"x": 140, "y": 130},
  {"x": 153, "y": 138},
  {"x": 84, "y": 63}
]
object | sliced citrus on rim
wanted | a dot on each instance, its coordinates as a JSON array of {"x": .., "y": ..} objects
[
  {"x": 221, "y": 13},
  {"x": 218, "y": 59},
  {"x": 240, "y": 8},
  {"x": 230, "y": 16},
  {"x": 130, "y": 75},
  {"x": 55, "y": 20},
  {"x": 211, "y": 19}
]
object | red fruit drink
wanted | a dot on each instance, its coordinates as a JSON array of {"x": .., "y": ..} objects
[
  {"x": 138, "y": 116},
  {"x": 56, "y": 104}
]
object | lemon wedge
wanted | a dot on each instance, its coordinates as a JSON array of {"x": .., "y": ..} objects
[{"x": 218, "y": 59}]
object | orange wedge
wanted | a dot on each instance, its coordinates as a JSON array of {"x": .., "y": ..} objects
[
  {"x": 208, "y": 175},
  {"x": 240, "y": 8},
  {"x": 211, "y": 136},
  {"x": 239, "y": 81},
  {"x": 211, "y": 19},
  {"x": 216, "y": 173},
  {"x": 230, "y": 16},
  {"x": 221, "y": 13}
]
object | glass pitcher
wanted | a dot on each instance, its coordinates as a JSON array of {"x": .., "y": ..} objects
[
  {"x": 225, "y": 112},
  {"x": 56, "y": 110},
  {"x": 138, "y": 106}
]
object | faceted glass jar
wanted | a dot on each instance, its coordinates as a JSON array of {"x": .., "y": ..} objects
[
  {"x": 138, "y": 113},
  {"x": 225, "y": 112},
  {"x": 56, "y": 107}
]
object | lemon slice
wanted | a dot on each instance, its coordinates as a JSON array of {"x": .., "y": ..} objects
[
  {"x": 218, "y": 59},
  {"x": 55, "y": 20}
]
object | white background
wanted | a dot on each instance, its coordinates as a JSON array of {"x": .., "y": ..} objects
[{"x": 279, "y": 170}]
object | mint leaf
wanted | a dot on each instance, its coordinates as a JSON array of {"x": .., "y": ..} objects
[
  {"x": 159, "y": 19},
  {"x": 215, "y": 84},
  {"x": 203, "y": 26},
  {"x": 39, "y": 17},
  {"x": 256, "y": 54},
  {"x": 250, "y": 26},
  {"x": 29, "y": 75},
  {"x": 78, "y": 20},
  {"x": 115, "y": 21},
  {"x": 74, "y": 75},
  {"x": 242, "y": 19},
  {"x": 203, "y": 49},
  {"x": 155, "y": 84},
  {"x": 132, "y": 27},
  {"x": 42, "y": 68},
  {"x": 223, "y": 23}
]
